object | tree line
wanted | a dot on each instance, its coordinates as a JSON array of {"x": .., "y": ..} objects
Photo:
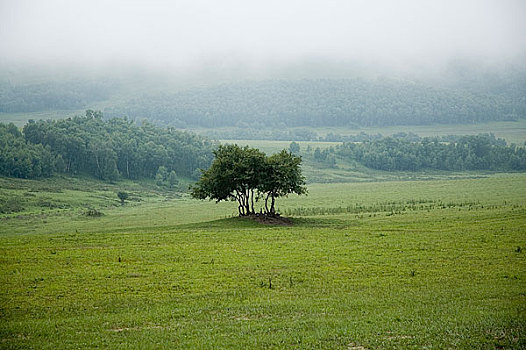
[
  {"x": 480, "y": 152},
  {"x": 247, "y": 175},
  {"x": 52, "y": 95},
  {"x": 280, "y": 104},
  {"x": 105, "y": 149}
]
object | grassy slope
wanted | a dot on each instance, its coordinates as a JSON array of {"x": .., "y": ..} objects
[
  {"x": 21, "y": 119},
  {"x": 435, "y": 276},
  {"x": 511, "y": 131},
  {"x": 346, "y": 171}
]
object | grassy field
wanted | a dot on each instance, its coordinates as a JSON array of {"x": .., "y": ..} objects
[
  {"x": 270, "y": 146},
  {"x": 346, "y": 171},
  {"x": 511, "y": 131},
  {"x": 20, "y": 119},
  {"x": 392, "y": 265}
]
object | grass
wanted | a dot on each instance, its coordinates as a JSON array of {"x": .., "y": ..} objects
[
  {"x": 347, "y": 171},
  {"x": 21, "y": 119},
  {"x": 169, "y": 272},
  {"x": 269, "y": 146},
  {"x": 511, "y": 131}
]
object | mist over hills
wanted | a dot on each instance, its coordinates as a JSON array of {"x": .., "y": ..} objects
[
  {"x": 271, "y": 64},
  {"x": 326, "y": 95},
  {"x": 328, "y": 102}
]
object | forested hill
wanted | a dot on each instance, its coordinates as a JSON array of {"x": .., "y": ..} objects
[
  {"x": 319, "y": 103},
  {"x": 105, "y": 149},
  {"x": 54, "y": 95}
]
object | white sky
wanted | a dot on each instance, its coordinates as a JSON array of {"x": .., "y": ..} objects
[{"x": 189, "y": 32}]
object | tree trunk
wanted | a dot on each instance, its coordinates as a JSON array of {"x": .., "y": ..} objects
[
  {"x": 272, "y": 209},
  {"x": 247, "y": 202},
  {"x": 266, "y": 203},
  {"x": 240, "y": 206},
  {"x": 98, "y": 166},
  {"x": 252, "y": 200}
]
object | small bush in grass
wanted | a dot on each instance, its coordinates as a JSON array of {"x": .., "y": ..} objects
[
  {"x": 94, "y": 213},
  {"x": 122, "y": 196},
  {"x": 11, "y": 205}
]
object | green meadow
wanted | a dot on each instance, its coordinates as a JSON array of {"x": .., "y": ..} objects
[
  {"x": 511, "y": 131},
  {"x": 422, "y": 264}
]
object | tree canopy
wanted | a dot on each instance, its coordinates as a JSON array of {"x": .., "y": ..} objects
[
  {"x": 281, "y": 104},
  {"x": 245, "y": 175},
  {"x": 476, "y": 152},
  {"x": 53, "y": 95},
  {"x": 105, "y": 149}
]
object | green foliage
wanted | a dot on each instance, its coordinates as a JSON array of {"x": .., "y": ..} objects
[
  {"x": 172, "y": 179},
  {"x": 511, "y": 131},
  {"x": 94, "y": 213},
  {"x": 21, "y": 159},
  {"x": 294, "y": 147},
  {"x": 245, "y": 174},
  {"x": 325, "y": 156},
  {"x": 234, "y": 175},
  {"x": 165, "y": 178},
  {"x": 103, "y": 149},
  {"x": 329, "y": 102},
  {"x": 161, "y": 176},
  {"x": 481, "y": 152},
  {"x": 122, "y": 196},
  {"x": 74, "y": 94},
  {"x": 281, "y": 176},
  {"x": 11, "y": 205}
]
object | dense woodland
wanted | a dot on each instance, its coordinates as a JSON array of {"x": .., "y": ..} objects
[
  {"x": 115, "y": 148},
  {"x": 481, "y": 152},
  {"x": 319, "y": 103},
  {"x": 52, "y": 95},
  {"x": 105, "y": 149},
  {"x": 268, "y": 107}
]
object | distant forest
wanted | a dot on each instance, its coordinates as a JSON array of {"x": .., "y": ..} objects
[
  {"x": 482, "y": 152},
  {"x": 117, "y": 148},
  {"x": 46, "y": 96},
  {"x": 104, "y": 149},
  {"x": 328, "y": 103},
  {"x": 277, "y": 105},
  {"x": 409, "y": 152}
]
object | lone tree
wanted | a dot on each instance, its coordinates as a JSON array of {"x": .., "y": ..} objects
[
  {"x": 122, "y": 196},
  {"x": 294, "y": 147},
  {"x": 245, "y": 175},
  {"x": 281, "y": 176}
]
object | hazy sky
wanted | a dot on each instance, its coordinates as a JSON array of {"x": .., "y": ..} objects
[{"x": 190, "y": 32}]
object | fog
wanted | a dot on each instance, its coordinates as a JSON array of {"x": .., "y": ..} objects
[{"x": 259, "y": 39}]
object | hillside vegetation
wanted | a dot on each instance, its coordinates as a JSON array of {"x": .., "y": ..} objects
[
  {"x": 53, "y": 95},
  {"x": 481, "y": 152},
  {"x": 326, "y": 103},
  {"x": 271, "y": 105},
  {"x": 119, "y": 149},
  {"x": 105, "y": 149}
]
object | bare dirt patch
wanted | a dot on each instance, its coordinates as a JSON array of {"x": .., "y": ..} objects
[{"x": 275, "y": 220}]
